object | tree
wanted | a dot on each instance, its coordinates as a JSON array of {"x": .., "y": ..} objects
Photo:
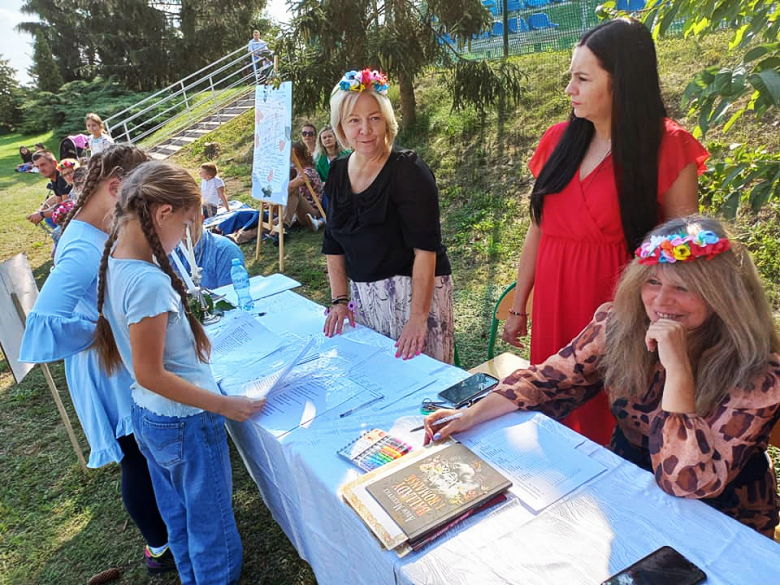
[
  {"x": 401, "y": 37},
  {"x": 44, "y": 69},
  {"x": 9, "y": 97},
  {"x": 720, "y": 95}
]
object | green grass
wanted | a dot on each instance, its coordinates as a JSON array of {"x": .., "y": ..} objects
[{"x": 59, "y": 525}]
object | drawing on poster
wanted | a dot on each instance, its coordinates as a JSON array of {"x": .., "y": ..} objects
[{"x": 273, "y": 122}]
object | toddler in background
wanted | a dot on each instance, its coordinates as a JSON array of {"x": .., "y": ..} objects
[
  {"x": 212, "y": 189},
  {"x": 98, "y": 139}
]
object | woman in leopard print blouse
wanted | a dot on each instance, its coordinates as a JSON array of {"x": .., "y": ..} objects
[{"x": 688, "y": 356}]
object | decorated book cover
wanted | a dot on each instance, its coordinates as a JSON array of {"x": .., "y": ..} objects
[{"x": 433, "y": 490}]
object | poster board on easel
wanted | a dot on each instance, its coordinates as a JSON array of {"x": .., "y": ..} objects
[
  {"x": 271, "y": 161},
  {"x": 18, "y": 293}
]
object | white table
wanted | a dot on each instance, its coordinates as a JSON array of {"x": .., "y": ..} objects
[{"x": 600, "y": 528}]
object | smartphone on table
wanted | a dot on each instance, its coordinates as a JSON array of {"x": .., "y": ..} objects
[
  {"x": 664, "y": 566},
  {"x": 468, "y": 390}
]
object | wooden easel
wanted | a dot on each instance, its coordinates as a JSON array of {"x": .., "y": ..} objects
[
  {"x": 278, "y": 227},
  {"x": 55, "y": 394},
  {"x": 273, "y": 228}
]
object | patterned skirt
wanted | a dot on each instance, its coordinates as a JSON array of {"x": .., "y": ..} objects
[{"x": 385, "y": 306}]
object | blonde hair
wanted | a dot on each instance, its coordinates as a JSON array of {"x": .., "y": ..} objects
[
  {"x": 343, "y": 102},
  {"x": 319, "y": 148},
  {"x": 95, "y": 118},
  {"x": 153, "y": 183},
  {"x": 727, "y": 351}
]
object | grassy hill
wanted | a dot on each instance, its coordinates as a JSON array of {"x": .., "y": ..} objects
[{"x": 60, "y": 526}]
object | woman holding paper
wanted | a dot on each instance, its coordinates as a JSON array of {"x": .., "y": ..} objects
[
  {"x": 383, "y": 236},
  {"x": 688, "y": 357},
  {"x": 61, "y": 326}
]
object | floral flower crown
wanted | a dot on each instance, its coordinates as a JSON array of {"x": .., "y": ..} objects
[
  {"x": 681, "y": 248},
  {"x": 360, "y": 80},
  {"x": 68, "y": 163}
]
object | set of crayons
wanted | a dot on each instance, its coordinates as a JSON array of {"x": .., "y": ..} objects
[{"x": 373, "y": 449}]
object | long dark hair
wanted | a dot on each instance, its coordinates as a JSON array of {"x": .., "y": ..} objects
[
  {"x": 151, "y": 183},
  {"x": 624, "y": 49}
]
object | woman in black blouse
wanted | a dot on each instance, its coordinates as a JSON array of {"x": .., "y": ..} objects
[{"x": 383, "y": 231}]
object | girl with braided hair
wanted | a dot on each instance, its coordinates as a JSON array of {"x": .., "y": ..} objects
[
  {"x": 178, "y": 411},
  {"x": 61, "y": 325}
]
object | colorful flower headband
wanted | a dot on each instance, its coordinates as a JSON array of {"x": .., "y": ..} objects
[
  {"x": 681, "y": 248},
  {"x": 68, "y": 163},
  {"x": 360, "y": 80}
]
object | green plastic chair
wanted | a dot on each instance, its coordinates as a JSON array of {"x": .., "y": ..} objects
[{"x": 500, "y": 313}]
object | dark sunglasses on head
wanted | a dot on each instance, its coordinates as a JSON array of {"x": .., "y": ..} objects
[{"x": 307, "y": 133}]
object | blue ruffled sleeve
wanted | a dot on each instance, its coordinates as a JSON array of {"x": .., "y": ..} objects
[
  {"x": 62, "y": 321},
  {"x": 149, "y": 295}
]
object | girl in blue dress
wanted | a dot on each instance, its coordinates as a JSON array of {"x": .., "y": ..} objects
[
  {"x": 61, "y": 326},
  {"x": 144, "y": 323}
]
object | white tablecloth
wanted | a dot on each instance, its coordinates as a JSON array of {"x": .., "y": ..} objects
[{"x": 599, "y": 529}]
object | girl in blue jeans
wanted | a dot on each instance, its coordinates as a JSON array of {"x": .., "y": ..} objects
[{"x": 144, "y": 323}]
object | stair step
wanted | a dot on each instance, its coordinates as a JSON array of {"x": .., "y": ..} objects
[{"x": 157, "y": 155}]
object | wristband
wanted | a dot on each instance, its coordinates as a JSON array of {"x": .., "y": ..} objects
[
  {"x": 517, "y": 314},
  {"x": 41, "y": 214},
  {"x": 342, "y": 301}
]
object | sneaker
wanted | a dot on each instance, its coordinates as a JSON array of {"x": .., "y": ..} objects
[
  {"x": 162, "y": 563},
  {"x": 316, "y": 223}
]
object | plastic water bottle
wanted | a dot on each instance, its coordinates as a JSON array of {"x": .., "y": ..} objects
[{"x": 240, "y": 279}]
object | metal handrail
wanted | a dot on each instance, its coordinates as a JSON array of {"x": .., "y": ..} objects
[
  {"x": 186, "y": 95},
  {"x": 154, "y": 95}
]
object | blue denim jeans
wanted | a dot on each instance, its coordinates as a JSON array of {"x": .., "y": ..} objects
[{"x": 190, "y": 469}]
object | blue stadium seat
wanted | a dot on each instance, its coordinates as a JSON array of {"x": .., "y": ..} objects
[
  {"x": 630, "y": 5},
  {"x": 498, "y": 29},
  {"x": 522, "y": 25},
  {"x": 512, "y": 24},
  {"x": 540, "y": 22},
  {"x": 536, "y": 3},
  {"x": 447, "y": 39},
  {"x": 514, "y": 5}
]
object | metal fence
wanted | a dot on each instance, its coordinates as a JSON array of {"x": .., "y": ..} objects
[{"x": 536, "y": 26}]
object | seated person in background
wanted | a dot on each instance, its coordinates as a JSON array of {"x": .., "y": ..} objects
[
  {"x": 688, "y": 356},
  {"x": 47, "y": 166},
  {"x": 39, "y": 147},
  {"x": 27, "y": 163},
  {"x": 300, "y": 202},
  {"x": 214, "y": 254},
  {"x": 212, "y": 190}
]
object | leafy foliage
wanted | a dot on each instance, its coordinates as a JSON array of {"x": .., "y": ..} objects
[
  {"x": 9, "y": 97},
  {"x": 143, "y": 44},
  {"x": 742, "y": 175},
  {"x": 44, "y": 70},
  {"x": 483, "y": 84},
  {"x": 64, "y": 111},
  {"x": 401, "y": 37}
]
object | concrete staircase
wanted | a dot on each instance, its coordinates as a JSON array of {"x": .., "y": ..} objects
[{"x": 200, "y": 128}]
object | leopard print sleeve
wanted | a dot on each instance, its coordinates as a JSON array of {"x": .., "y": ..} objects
[
  {"x": 565, "y": 380},
  {"x": 696, "y": 457}
]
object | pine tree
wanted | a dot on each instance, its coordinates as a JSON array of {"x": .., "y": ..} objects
[
  {"x": 45, "y": 71},
  {"x": 9, "y": 96}
]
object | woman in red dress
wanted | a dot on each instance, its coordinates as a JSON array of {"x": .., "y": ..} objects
[{"x": 616, "y": 169}]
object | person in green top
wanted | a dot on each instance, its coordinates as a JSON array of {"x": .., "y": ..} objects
[{"x": 326, "y": 151}]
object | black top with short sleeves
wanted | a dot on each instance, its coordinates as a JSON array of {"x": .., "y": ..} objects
[{"x": 378, "y": 229}]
